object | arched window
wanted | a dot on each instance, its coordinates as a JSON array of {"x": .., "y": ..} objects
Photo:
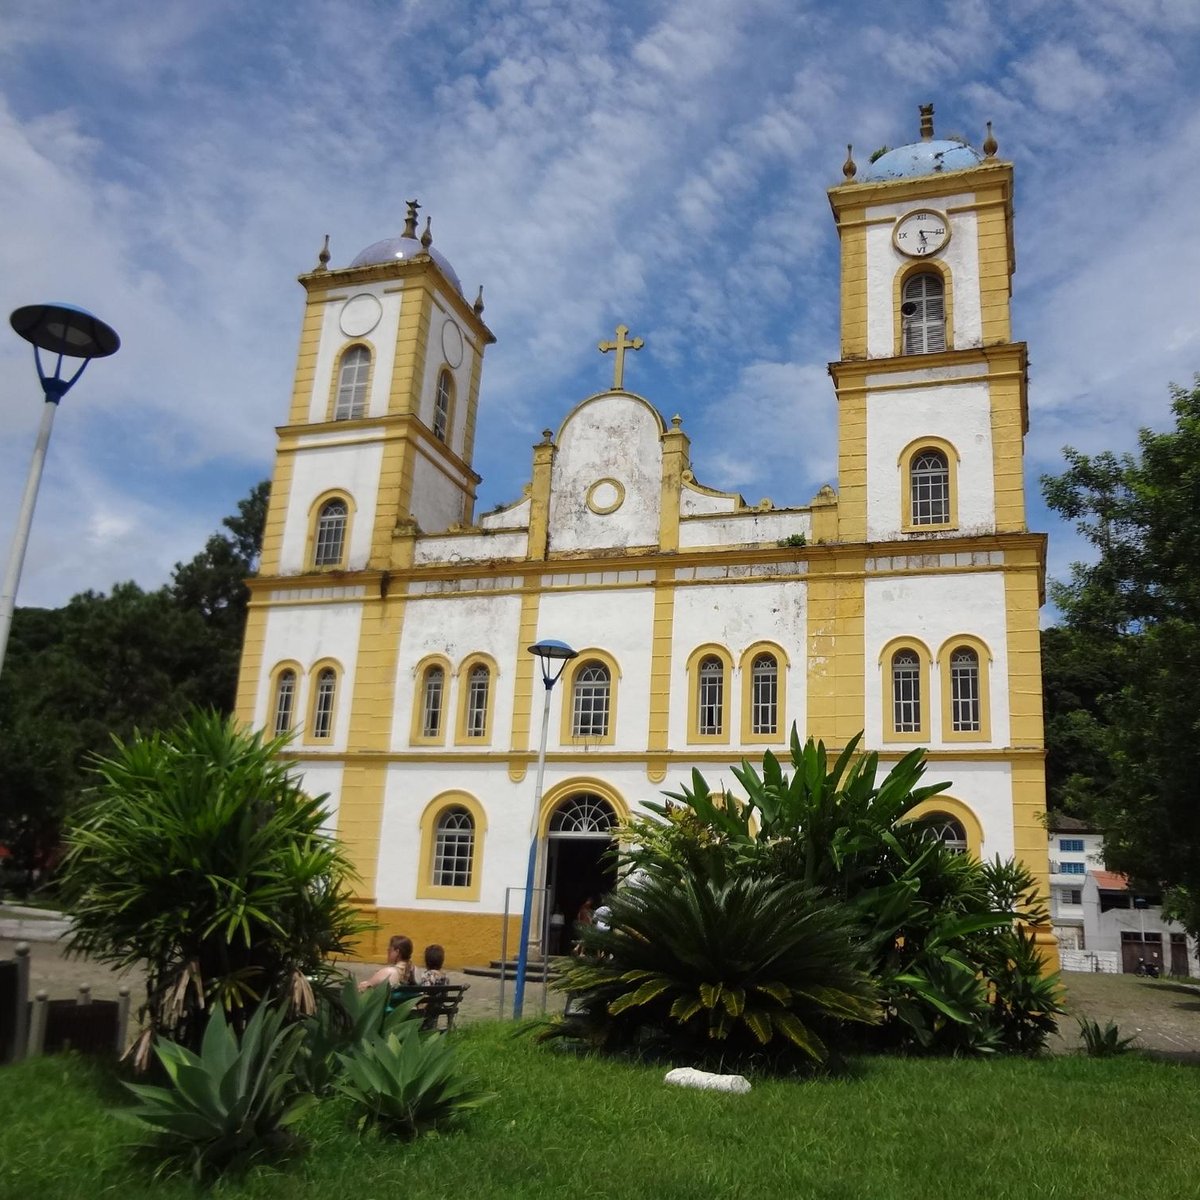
[
  {"x": 764, "y": 695},
  {"x": 442, "y": 402},
  {"x": 453, "y": 849},
  {"x": 923, "y": 313},
  {"x": 285, "y": 701},
  {"x": 330, "y": 534},
  {"x": 946, "y": 830},
  {"x": 324, "y": 695},
  {"x": 476, "y": 711},
  {"x": 433, "y": 699},
  {"x": 352, "y": 384},
  {"x": 583, "y": 814},
  {"x": 965, "y": 716},
  {"x": 906, "y": 692},
  {"x": 710, "y": 703},
  {"x": 929, "y": 487},
  {"x": 590, "y": 701}
]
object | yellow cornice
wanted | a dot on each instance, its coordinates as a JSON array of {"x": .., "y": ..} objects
[
  {"x": 849, "y": 373},
  {"x": 848, "y": 196},
  {"x": 320, "y": 284}
]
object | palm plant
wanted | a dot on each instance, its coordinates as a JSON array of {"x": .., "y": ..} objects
[
  {"x": 199, "y": 857},
  {"x": 734, "y": 964}
]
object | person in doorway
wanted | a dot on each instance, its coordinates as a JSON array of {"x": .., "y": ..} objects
[
  {"x": 433, "y": 975},
  {"x": 585, "y": 916},
  {"x": 399, "y": 969}
]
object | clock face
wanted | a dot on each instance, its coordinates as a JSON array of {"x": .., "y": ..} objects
[{"x": 921, "y": 233}]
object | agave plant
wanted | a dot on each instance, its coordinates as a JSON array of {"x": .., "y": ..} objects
[
  {"x": 228, "y": 1105},
  {"x": 1103, "y": 1043},
  {"x": 200, "y": 858},
  {"x": 405, "y": 1083},
  {"x": 739, "y": 963}
]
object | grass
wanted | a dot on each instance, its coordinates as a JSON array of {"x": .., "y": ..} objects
[{"x": 567, "y": 1127}]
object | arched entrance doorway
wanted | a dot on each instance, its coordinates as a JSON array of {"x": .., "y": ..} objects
[
  {"x": 946, "y": 829},
  {"x": 579, "y": 860}
]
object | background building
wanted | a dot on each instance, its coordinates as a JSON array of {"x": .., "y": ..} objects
[{"x": 389, "y": 625}]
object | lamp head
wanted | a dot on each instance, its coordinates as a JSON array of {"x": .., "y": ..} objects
[
  {"x": 550, "y": 650},
  {"x": 65, "y": 329}
]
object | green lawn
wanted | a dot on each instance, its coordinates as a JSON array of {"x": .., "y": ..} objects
[{"x": 566, "y": 1127}]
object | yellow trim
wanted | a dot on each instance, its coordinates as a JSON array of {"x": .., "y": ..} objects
[
  {"x": 314, "y": 514},
  {"x": 997, "y": 262},
  {"x": 962, "y": 813},
  {"x": 675, "y": 473},
  {"x": 447, "y": 372},
  {"x": 697, "y": 656},
  {"x": 965, "y": 641},
  {"x": 602, "y": 510},
  {"x": 426, "y": 889},
  {"x": 277, "y": 510},
  {"x": 886, "y": 655},
  {"x": 412, "y": 345},
  {"x": 336, "y": 378},
  {"x": 853, "y": 235},
  {"x": 314, "y": 675},
  {"x": 1023, "y": 644},
  {"x": 922, "y": 266},
  {"x": 304, "y": 382},
  {"x": 661, "y": 639},
  {"x": 749, "y": 737},
  {"x": 567, "y": 724},
  {"x": 905, "y": 461},
  {"x": 539, "y": 499},
  {"x": 250, "y": 667},
  {"x": 468, "y": 937},
  {"x": 375, "y": 676},
  {"x": 468, "y": 446},
  {"x": 461, "y": 737},
  {"x": 570, "y": 787},
  {"x": 416, "y": 737},
  {"x": 836, "y": 658},
  {"x": 287, "y": 664}
]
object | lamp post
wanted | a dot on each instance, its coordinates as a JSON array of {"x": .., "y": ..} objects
[
  {"x": 548, "y": 652},
  {"x": 69, "y": 332}
]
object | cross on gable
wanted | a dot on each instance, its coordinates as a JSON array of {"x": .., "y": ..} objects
[{"x": 620, "y": 346}]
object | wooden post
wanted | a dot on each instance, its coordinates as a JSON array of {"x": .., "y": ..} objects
[
  {"x": 21, "y": 1025},
  {"x": 122, "y": 1018},
  {"x": 37, "y": 1026}
]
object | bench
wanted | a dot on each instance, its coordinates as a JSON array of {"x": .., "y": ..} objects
[{"x": 436, "y": 1003}]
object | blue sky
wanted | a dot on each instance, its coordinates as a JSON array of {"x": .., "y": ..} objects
[{"x": 663, "y": 164}]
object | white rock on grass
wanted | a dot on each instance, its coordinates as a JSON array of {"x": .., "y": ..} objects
[{"x": 707, "y": 1081}]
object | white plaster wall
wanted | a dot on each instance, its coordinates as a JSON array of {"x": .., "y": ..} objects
[
  {"x": 319, "y": 468},
  {"x": 754, "y": 528},
  {"x": 619, "y": 621},
  {"x": 609, "y": 437},
  {"x": 737, "y": 616},
  {"x": 934, "y": 608},
  {"x": 693, "y": 502},
  {"x": 434, "y": 362},
  {"x": 958, "y": 412},
  {"x": 515, "y": 516},
  {"x": 323, "y": 779},
  {"x": 437, "y": 500},
  {"x": 305, "y": 634},
  {"x": 456, "y": 626},
  {"x": 382, "y": 343},
  {"x": 472, "y": 548},
  {"x": 884, "y": 260}
]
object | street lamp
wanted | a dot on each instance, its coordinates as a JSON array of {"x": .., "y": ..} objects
[
  {"x": 69, "y": 332},
  {"x": 549, "y": 652}
]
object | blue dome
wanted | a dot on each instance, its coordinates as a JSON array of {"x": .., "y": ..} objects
[
  {"x": 921, "y": 158},
  {"x": 404, "y": 248}
]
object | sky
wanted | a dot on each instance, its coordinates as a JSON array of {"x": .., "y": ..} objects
[{"x": 663, "y": 164}]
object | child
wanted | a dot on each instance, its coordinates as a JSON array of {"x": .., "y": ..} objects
[
  {"x": 434, "y": 957},
  {"x": 399, "y": 970}
]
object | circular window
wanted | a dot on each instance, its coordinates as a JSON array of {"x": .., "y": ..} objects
[
  {"x": 605, "y": 496},
  {"x": 360, "y": 314},
  {"x": 452, "y": 343}
]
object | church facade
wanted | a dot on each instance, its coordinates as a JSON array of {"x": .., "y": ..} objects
[{"x": 389, "y": 626}]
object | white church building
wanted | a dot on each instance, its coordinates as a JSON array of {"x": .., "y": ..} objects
[{"x": 389, "y": 624}]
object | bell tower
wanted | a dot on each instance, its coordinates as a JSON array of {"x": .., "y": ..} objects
[{"x": 380, "y": 432}]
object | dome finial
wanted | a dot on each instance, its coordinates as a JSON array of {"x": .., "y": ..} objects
[
  {"x": 427, "y": 236},
  {"x": 926, "y": 122},
  {"x": 849, "y": 167},
  {"x": 323, "y": 257},
  {"x": 478, "y": 305},
  {"x": 410, "y": 221},
  {"x": 990, "y": 146}
]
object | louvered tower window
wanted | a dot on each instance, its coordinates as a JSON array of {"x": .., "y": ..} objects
[{"x": 924, "y": 315}]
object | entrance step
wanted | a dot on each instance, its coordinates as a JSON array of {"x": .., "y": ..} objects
[{"x": 536, "y": 969}]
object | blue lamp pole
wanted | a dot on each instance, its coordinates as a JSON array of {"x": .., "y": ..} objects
[
  {"x": 549, "y": 652},
  {"x": 69, "y": 332}
]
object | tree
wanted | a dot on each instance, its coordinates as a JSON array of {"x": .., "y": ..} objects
[
  {"x": 198, "y": 857},
  {"x": 1137, "y": 607}
]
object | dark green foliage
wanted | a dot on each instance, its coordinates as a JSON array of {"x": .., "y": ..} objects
[
  {"x": 1103, "y": 1043},
  {"x": 1136, "y": 608},
  {"x": 229, "y": 1105},
  {"x": 199, "y": 857},
  {"x": 744, "y": 963},
  {"x": 406, "y": 1083}
]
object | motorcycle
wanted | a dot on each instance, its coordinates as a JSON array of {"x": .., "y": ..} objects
[{"x": 1147, "y": 969}]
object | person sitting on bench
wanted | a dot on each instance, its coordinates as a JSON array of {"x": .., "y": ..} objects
[
  {"x": 399, "y": 971},
  {"x": 433, "y": 974}
]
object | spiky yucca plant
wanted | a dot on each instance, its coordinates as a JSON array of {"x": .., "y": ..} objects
[{"x": 740, "y": 964}]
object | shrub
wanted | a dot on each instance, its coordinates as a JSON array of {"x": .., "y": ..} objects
[
  {"x": 727, "y": 967},
  {"x": 228, "y": 1105},
  {"x": 404, "y": 1083},
  {"x": 199, "y": 857},
  {"x": 1103, "y": 1043}
]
